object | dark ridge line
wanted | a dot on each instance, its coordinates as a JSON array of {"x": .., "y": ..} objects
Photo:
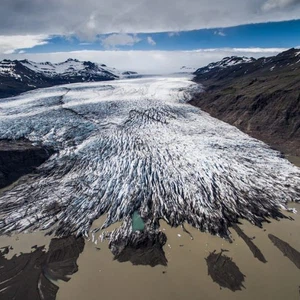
[
  {"x": 291, "y": 253},
  {"x": 186, "y": 231},
  {"x": 253, "y": 248}
]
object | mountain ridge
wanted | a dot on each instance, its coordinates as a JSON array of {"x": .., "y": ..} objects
[
  {"x": 260, "y": 97},
  {"x": 18, "y": 76}
]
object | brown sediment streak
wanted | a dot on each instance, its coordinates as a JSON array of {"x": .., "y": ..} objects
[
  {"x": 186, "y": 231},
  {"x": 253, "y": 248}
]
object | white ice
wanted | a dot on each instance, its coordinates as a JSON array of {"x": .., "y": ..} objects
[{"x": 136, "y": 145}]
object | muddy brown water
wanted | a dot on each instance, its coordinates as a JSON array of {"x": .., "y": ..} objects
[
  {"x": 294, "y": 159},
  {"x": 99, "y": 276}
]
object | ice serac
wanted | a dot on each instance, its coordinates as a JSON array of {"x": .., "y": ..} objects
[{"x": 136, "y": 146}]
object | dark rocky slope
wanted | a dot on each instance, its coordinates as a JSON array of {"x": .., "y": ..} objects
[
  {"x": 261, "y": 97},
  {"x": 18, "y": 158}
]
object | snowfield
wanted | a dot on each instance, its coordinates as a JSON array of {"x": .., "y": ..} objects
[{"x": 136, "y": 145}]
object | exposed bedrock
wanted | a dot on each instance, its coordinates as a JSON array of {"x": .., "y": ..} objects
[
  {"x": 260, "y": 97},
  {"x": 20, "y": 157},
  {"x": 272, "y": 117},
  {"x": 30, "y": 275},
  {"x": 136, "y": 146}
]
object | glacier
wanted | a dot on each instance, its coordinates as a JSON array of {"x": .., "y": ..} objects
[{"x": 136, "y": 145}]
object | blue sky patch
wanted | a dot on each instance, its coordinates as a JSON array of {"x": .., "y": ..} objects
[{"x": 264, "y": 35}]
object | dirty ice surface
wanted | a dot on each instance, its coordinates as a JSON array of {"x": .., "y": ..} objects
[{"x": 136, "y": 146}]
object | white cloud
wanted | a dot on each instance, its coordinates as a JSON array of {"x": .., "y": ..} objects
[
  {"x": 173, "y": 33},
  {"x": 91, "y": 17},
  {"x": 150, "y": 61},
  {"x": 120, "y": 39},
  {"x": 219, "y": 32},
  {"x": 151, "y": 41},
  {"x": 91, "y": 24},
  {"x": 278, "y": 4},
  {"x": 9, "y": 44},
  {"x": 244, "y": 50}
]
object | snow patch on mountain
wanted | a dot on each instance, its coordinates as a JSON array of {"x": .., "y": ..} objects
[
  {"x": 7, "y": 69},
  {"x": 225, "y": 63},
  {"x": 71, "y": 67},
  {"x": 20, "y": 76}
]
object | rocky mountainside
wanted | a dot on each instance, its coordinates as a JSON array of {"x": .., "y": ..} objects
[
  {"x": 24, "y": 75},
  {"x": 225, "y": 63},
  {"x": 20, "y": 157},
  {"x": 259, "y": 96}
]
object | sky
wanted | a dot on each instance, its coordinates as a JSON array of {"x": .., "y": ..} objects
[{"x": 148, "y": 36}]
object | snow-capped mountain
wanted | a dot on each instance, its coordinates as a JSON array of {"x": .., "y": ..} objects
[
  {"x": 225, "y": 63},
  {"x": 71, "y": 68},
  {"x": 259, "y": 96},
  {"x": 234, "y": 67},
  {"x": 20, "y": 76}
]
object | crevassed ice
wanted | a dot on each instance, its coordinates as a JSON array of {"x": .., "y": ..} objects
[{"x": 136, "y": 145}]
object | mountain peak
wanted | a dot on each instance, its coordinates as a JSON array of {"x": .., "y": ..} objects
[
  {"x": 72, "y": 59},
  {"x": 22, "y": 75},
  {"x": 235, "y": 66},
  {"x": 290, "y": 53},
  {"x": 225, "y": 63}
]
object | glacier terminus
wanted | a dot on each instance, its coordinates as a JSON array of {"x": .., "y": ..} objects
[{"x": 135, "y": 146}]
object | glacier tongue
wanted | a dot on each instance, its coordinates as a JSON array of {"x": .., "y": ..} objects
[{"x": 135, "y": 145}]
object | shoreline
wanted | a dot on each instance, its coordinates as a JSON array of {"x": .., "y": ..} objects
[
  {"x": 191, "y": 256},
  {"x": 208, "y": 183},
  {"x": 293, "y": 159}
]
